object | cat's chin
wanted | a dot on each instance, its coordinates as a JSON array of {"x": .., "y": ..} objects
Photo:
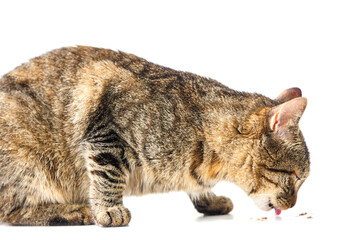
[{"x": 263, "y": 203}]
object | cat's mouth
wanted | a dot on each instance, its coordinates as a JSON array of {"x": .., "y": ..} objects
[
  {"x": 277, "y": 210},
  {"x": 265, "y": 204}
]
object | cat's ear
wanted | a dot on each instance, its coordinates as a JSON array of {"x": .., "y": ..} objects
[
  {"x": 289, "y": 94},
  {"x": 286, "y": 114}
]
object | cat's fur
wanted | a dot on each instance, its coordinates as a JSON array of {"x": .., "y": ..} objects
[{"x": 81, "y": 127}]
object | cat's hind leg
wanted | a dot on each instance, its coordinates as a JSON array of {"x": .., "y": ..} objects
[
  {"x": 15, "y": 210},
  {"x": 210, "y": 204},
  {"x": 50, "y": 215}
]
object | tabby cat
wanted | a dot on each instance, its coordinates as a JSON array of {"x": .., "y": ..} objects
[{"x": 81, "y": 127}]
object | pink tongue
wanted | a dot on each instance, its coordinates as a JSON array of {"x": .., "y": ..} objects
[{"x": 277, "y": 211}]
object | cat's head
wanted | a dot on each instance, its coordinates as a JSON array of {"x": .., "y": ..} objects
[
  {"x": 264, "y": 152},
  {"x": 282, "y": 160}
]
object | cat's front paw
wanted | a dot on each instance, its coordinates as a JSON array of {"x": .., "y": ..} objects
[
  {"x": 214, "y": 205},
  {"x": 113, "y": 216}
]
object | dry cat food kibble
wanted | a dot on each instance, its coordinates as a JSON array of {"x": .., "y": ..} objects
[
  {"x": 278, "y": 211},
  {"x": 304, "y": 214}
]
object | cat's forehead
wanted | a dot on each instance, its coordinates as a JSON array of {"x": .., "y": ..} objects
[
  {"x": 290, "y": 156},
  {"x": 297, "y": 160},
  {"x": 292, "y": 164},
  {"x": 300, "y": 166}
]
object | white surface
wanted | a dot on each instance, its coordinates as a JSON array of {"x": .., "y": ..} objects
[{"x": 255, "y": 46}]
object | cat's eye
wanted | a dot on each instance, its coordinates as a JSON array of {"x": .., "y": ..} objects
[{"x": 297, "y": 178}]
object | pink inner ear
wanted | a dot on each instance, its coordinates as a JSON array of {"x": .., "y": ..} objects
[{"x": 288, "y": 113}]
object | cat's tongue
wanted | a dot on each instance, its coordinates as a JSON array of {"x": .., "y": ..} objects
[{"x": 277, "y": 211}]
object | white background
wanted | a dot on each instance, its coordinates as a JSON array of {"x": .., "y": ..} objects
[{"x": 255, "y": 46}]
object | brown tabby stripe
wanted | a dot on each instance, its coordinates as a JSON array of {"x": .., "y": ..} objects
[
  {"x": 109, "y": 185},
  {"x": 278, "y": 170},
  {"x": 105, "y": 176},
  {"x": 106, "y": 159},
  {"x": 269, "y": 180}
]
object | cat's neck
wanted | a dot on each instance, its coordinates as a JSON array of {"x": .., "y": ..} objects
[
  {"x": 237, "y": 169},
  {"x": 232, "y": 133}
]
